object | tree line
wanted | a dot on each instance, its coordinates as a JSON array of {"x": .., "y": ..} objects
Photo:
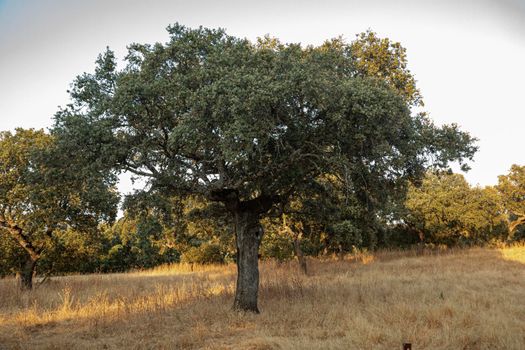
[{"x": 247, "y": 150}]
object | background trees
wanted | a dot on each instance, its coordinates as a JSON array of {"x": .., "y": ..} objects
[
  {"x": 446, "y": 210},
  {"x": 40, "y": 196},
  {"x": 136, "y": 243},
  {"x": 512, "y": 190}
]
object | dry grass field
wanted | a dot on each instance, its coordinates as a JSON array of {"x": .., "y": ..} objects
[{"x": 464, "y": 299}]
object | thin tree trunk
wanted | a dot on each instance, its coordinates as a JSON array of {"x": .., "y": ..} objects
[
  {"x": 299, "y": 253},
  {"x": 26, "y": 274},
  {"x": 341, "y": 254},
  {"x": 297, "y": 235},
  {"x": 249, "y": 233}
]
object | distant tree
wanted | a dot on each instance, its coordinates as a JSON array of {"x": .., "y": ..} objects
[
  {"x": 445, "y": 209},
  {"x": 42, "y": 192},
  {"x": 248, "y": 125},
  {"x": 512, "y": 190},
  {"x": 73, "y": 251},
  {"x": 189, "y": 222},
  {"x": 136, "y": 243}
]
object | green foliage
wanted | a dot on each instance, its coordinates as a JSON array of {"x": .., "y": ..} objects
[
  {"x": 445, "y": 209},
  {"x": 207, "y": 222},
  {"x": 12, "y": 257},
  {"x": 512, "y": 190},
  {"x": 349, "y": 193},
  {"x": 42, "y": 193},
  {"x": 73, "y": 252},
  {"x": 207, "y": 253},
  {"x": 191, "y": 119},
  {"x": 136, "y": 243},
  {"x": 401, "y": 236},
  {"x": 277, "y": 243},
  {"x": 346, "y": 235},
  {"x": 386, "y": 61}
]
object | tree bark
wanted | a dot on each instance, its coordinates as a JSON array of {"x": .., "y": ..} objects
[
  {"x": 33, "y": 253},
  {"x": 26, "y": 274},
  {"x": 249, "y": 233}
]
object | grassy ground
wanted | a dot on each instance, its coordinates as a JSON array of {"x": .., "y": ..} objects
[{"x": 470, "y": 299}]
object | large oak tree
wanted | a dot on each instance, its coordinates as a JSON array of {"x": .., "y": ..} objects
[{"x": 249, "y": 125}]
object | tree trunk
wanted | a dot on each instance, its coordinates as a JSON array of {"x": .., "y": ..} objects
[
  {"x": 249, "y": 233},
  {"x": 341, "y": 254},
  {"x": 299, "y": 253},
  {"x": 33, "y": 253},
  {"x": 26, "y": 274}
]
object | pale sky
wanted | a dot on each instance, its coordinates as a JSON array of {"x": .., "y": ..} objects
[{"x": 467, "y": 56}]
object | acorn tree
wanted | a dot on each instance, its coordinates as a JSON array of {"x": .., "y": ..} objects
[{"x": 248, "y": 125}]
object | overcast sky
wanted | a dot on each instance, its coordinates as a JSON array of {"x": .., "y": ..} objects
[{"x": 467, "y": 56}]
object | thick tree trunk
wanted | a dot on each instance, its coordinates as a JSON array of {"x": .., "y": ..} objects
[
  {"x": 26, "y": 274},
  {"x": 249, "y": 233}
]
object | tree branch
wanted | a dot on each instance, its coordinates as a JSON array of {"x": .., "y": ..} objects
[{"x": 22, "y": 239}]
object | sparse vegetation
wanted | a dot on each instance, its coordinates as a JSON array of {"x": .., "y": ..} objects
[{"x": 436, "y": 299}]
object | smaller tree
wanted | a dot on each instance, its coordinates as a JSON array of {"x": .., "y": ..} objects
[
  {"x": 512, "y": 190},
  {"x": 42, "y": 192},
  {"x": 136, "y": 242}
]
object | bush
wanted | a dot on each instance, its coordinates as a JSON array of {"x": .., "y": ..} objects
[
  {"x": 207, "y": 253},
  {"x": 277, "y": 246},
  {"x": 346, "y": 235}
]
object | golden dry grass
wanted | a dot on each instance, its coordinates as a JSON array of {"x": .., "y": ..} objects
[{"x": 470, "y": 299}]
